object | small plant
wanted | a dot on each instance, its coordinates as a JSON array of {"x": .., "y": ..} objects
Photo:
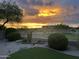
[
  {"x": 57, "y": 41},
  {"x": 13, "y": 36},
  {"x": 24, "y": 41}
]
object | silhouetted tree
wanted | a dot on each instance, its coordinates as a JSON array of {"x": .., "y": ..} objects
[
  {"x": 10, "y": 12},
  {"x": 62, "y": 26}
]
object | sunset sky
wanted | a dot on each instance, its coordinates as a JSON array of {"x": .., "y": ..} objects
[{"x": 50, "y": 11}]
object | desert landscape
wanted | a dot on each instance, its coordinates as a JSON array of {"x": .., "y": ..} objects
[{"x": 39, "y": 29}]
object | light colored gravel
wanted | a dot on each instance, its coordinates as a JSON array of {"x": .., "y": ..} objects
[
  {"x": 11, "y": 47},
  {"x": 72, "y": 51}
]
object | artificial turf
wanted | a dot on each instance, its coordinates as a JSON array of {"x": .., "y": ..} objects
[{"x": 40, "y": 53}]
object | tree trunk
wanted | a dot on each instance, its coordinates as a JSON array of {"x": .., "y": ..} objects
[
  {"x": 5, "y": 23},
  {"x": 2, "y": 26},
  {"x": 29, "y": 36}
]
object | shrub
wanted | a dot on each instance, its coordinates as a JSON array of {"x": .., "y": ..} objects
[
  {"x": 13, "y": 36},
  {"x": 10, "y": 30},
  {"x": 57, "y": 41}
]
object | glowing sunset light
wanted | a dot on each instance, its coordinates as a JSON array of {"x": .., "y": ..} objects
[
  {"x": 27, "y": 25},
  {"x": 34, "y": 25},
  {"x": 49, "y": 12}
]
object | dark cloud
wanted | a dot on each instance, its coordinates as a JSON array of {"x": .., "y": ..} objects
[
  {"x": 31, "y": 11},
  {"x": 36, "y": 2},
  {"x": 70, "y": 10}
]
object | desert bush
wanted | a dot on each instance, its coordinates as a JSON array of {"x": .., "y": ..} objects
[
  {"x": 24, "y": 40},
  {"x": 57, "y": 41},
  {"x": 13, "y": 36}
]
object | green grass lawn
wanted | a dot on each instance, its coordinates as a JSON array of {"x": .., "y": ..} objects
[{"x": 40, "y": 53}]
